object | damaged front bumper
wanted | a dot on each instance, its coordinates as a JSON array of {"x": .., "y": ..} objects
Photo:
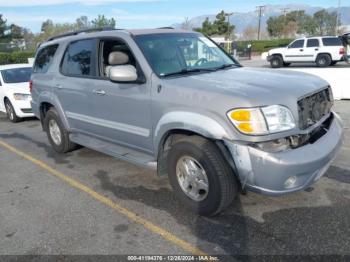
[{"x": 286, "y": 171}]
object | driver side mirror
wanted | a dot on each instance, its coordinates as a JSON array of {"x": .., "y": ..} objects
[{"x": 123, "y": 73}]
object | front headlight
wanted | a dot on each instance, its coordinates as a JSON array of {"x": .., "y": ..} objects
[
  {"x": 261, "y": 121},
  {"x": 21, "y": 96}
]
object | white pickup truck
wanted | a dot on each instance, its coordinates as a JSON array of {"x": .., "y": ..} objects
[{"x": 324, "y": 51}]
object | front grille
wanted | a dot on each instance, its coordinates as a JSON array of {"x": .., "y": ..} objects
[{"x": 314, "y": 107}]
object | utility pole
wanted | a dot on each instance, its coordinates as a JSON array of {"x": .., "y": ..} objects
[
  {"x": 260, "y": 10},
  {"x": 228, "y": 25},
  {"x": 338, "y": 18},
  {"x": 284, "y": 11}
]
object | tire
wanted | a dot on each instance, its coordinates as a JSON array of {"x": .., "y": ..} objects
[
  {"x": 276, "y": 62},
  {"x": 323, "y": 60},
  {"x": 221, "y": 181},
  {"x": 11, "y": 113},
  {"x": 56, "y": 132},
  {"x": 334, "y": 63},
  {"x": 286, "y": 64}
]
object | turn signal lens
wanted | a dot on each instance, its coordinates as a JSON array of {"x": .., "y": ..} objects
[
  {"x": 248, "y": 121},
  {"x": 241, "y": 115},
  {"x": 246, "y": 128}
]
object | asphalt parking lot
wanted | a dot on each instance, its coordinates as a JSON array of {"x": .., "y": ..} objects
[{"x": 87, "y": 203}]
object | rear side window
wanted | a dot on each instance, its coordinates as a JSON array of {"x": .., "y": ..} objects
[
  {"x": 79, "y": 59},
  {"x": 332, "y": 41},
  {"x": 44, "y": 59},
  {"x": 297, "y": 44},
  {"x": 313, "y": 43}
]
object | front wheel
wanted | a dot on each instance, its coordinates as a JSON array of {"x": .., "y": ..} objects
[
  {"x": 11, "y": 113},
  {"x": 276, "y": 62},
  {"x": 56, "y": 133},
  {"x": 200, "y": 176}
]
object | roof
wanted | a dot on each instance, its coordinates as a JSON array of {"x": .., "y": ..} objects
[
  {"x": 157, "y": 31},
  {"x": 12, "y": 66},
  {"x": 100, "y": 32}
]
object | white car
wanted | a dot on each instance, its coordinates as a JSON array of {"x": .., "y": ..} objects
[
  {"x": 324, "y": 51},
  {"x": 15, "y": 94}
]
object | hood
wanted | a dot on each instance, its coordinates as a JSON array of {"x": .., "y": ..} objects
[
  {"x": 277, "y": 51},
  {"x": 249, "y": 87},
  {"x": 22, "y": 88}
]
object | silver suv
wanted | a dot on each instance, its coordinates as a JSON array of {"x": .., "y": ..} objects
[{"x": 174, "y": 101}]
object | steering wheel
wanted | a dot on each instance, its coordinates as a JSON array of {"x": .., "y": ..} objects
[{"x": 201, "y": 61}]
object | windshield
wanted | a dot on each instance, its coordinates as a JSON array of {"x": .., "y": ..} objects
[
  {"x": 174, "y": 53},
  {"x": 16, "y": 75}
]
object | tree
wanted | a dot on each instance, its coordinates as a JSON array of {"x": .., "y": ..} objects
[
  {"x": 250, "y": 33},
  {"x": 46, "y": 26},
  {"x": 219, "y": 27},
  {"x": 83, "y": 22},
  {"x": 186, "y": 24},
  {"x": 3, "y": 26},
  {"x": 16, "y": 31},
  {"x": 275, "y": 26},
  {"x": 102, "y": 21},
  {"x": 326, "y": 22}
]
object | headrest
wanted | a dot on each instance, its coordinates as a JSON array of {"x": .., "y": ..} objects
[{"x": 118, "y": 58}]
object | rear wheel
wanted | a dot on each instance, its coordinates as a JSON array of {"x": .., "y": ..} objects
[
  {"x": 323, "y": 60},
  {"x": 11, "y": 113},
  {"x": 276, "y": 62},
  {"x": 56, "y": 133},
  {"x": 200, "y": 176}
]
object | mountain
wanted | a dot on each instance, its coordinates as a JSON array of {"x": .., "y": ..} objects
[{"x": 242, "y": 20}]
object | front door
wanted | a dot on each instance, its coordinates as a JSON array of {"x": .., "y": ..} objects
[
  {"x": 295, "y": 52},
  {"x": 121, "y": 111}
]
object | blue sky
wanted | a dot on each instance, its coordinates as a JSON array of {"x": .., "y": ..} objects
[{"x": 130, "y": 13}]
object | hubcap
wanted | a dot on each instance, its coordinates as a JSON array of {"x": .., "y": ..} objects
[
  {"x": 55, "y": 132},
  {"x": 192, "y": 178},
  {"x": 9, "y": 111},
  {"x": 322, "y": 61}
]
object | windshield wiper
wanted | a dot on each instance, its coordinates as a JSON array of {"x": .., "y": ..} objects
[
  {"x": 224, "y": 66},
  {"x": 186, "y": 71}
]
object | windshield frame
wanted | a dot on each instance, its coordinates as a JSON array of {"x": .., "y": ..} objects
[
  {"x": 203, "y": 71},
  {"x": 13, "y": 69}
]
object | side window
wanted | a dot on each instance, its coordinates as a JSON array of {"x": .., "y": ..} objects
[
  {"x": 44, "y": 59},
  {"x": 332, "y": 41},
  {"x": 313, "y": 43},
  {"x": 79, "y": 59},
  {"x": 297, "y": 44}
]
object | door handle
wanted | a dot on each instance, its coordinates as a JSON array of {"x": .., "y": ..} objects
[
  {"x": 99, "y": 92},
  {"x": 59, "y": 86},
  {"x": 316, "y": 49},
  {"x": 301, "y": 50}
]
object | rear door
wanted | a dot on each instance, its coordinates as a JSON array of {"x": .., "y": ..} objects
[
  {"x": 295, "y": 51},
  {"x": 75, "y": 83},
  {"x": 312, "y": 49}
]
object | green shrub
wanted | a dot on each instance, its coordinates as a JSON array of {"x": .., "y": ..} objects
[
  {"x": 261, "y": 46},
  {"x": 15, "y": 57}
]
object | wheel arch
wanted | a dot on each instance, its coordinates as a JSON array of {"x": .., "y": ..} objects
[
  {"x": 45, "y": 103},
  {"x": 171, "y": 137},
  {"x": 325, "y": 53}
]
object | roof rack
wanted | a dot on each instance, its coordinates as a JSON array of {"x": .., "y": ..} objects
[
  {"x": 82, "y": 31},
  {"x": 166, "y": 27}
]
